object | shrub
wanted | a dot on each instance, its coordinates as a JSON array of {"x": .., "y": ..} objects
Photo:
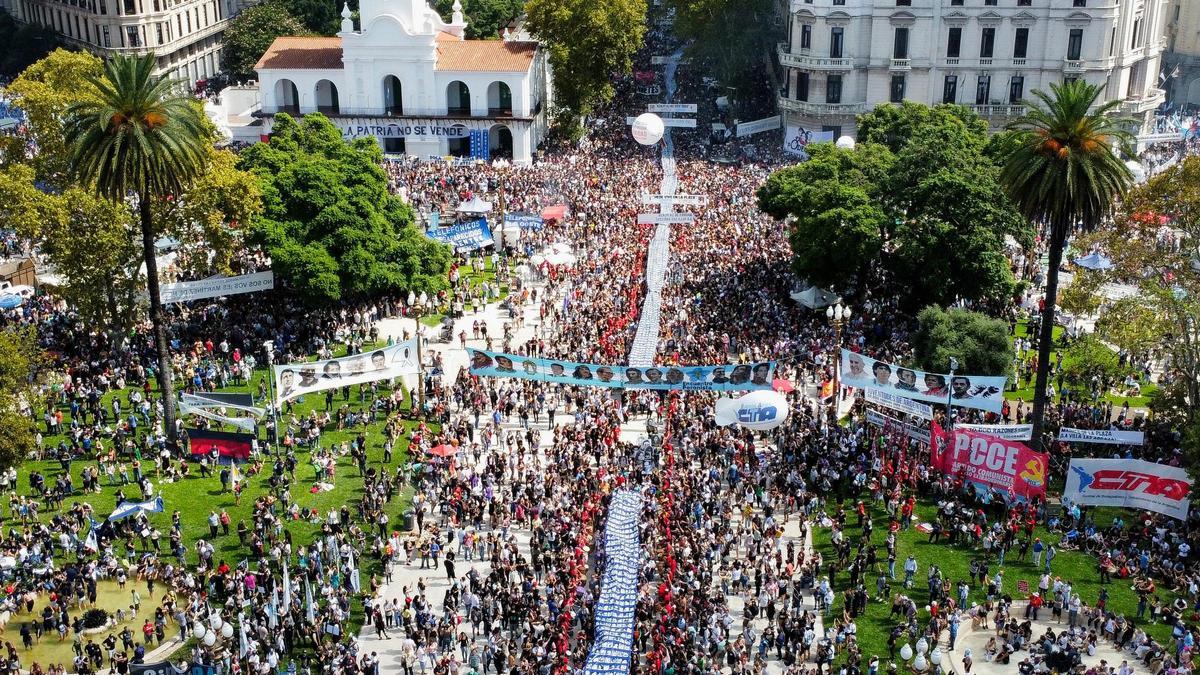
[{"x": 95, "y": 618}]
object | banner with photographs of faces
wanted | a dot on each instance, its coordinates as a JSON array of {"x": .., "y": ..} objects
[
  {"x": 734, "y": 377},
  {"x": 298, "y": 379},
  {"x": 966, "y": 391}
]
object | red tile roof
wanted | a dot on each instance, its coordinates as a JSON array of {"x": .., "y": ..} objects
[
  {"x": 303, "y": 53},
  {"x": 496, "y": 56}
]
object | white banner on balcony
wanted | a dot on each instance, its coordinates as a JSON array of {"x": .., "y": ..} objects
[
  {"x": 796, "y": 139},
  {"x": 671, "y": 108},
  {"x": 767, "y": 124}
]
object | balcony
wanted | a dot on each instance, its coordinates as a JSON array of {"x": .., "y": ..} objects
[
  {"x": 1135, "y": 105},
  {"x": 815, "y": 109},
  {"x": 998, "y": 110},
  {"x": 1074, "y": 66},
  {"x": 952, "y": 60},
  {"x": 985, "y": 61},
  {"x": 790, "y": 60},
  {"x": 407, "y": 112},
  {"x": 900, "y": 64},
  {"x": 1019, "y": 62}
]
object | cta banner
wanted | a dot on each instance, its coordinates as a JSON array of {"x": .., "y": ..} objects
[
  {"x": 1008, "y": 466},
  {"x": 1105, "y": 436},
  {"x": 187, "y": 291},
  {"x": 612, "y": 649},
  {"x": 297, "y": 379},
  {"x": 526, "y": 221},
  {"x": 469, "y": 235},
  {"x": 966, "y": 391},
  {"x": 739, "y": 377},
  {"x": 1131, "y": 483},
  {"x": 900, "y": 404},
  {"x": 796, "y": 140},
  {"x": 1009, "y": 432}
]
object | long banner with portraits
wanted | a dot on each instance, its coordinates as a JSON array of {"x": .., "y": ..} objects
[
  {"x": 981, "y": 392},
  {"x": 298, "y": 379},
  {"x": 733, "y": 377}
]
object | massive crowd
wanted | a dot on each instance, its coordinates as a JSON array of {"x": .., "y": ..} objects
[{"x": 729, "y": 582}]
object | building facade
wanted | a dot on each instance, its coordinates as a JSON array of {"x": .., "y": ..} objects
[
  {"x": 185, "y": 34},
  {"x": 411, "y": 81},
  {"x": 844, "y": 57},
  {"x": 1182, "y": 58}
]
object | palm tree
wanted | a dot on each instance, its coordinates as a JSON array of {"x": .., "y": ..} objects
[
  {"x": 140, "y": 136},
  {"x": 1061, "y": 169}
]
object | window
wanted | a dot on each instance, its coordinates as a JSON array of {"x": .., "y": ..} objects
[
  {"x": 1081, "y": 3},
  {"x": 839, "y": 2},
  {"x": 103, "y": 7},
  {"x": 131, "y": 37},
  {"x": 897, "y": 89},
  {"x": 1016, "y": 89},
  {"x": 954, "y": 42},
  {"x": 835, "y": 42},
  {"x": 957, "y": 3},
  {"x": 1137, "y": 33},
  {"x": 903, "y": 3},
  {"x": 1021, "y": 43},
  {"x": 833, "y": 89},
  {"x": 900, "y": 45},
  {"x": 802, "y": 86},
  {"x": 806, "y": 36},
  {"x": 1074, "y": 44},
  {"x": 987, "y": 43},
  {"x": 989, "y": 2},
  {"x": 160, "y": 34},
  {"x": 105, "y": 36},
  {"x": 983, "y": 89},
  {"x": 1024, "y": 3},
  {"x": 950, "y": 89}
]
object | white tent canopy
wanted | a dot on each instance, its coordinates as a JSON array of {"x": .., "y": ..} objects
[
  {"x": 1094, "y": 261},
  {"x": 815, "y": 298},
  {"x": 475, "y": 205}
]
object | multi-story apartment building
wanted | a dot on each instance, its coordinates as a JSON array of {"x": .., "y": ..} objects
[
  {"x": 843, "y": 57},
  {"x": 185, "y": 34},
  {"x": 1182, "y": 58}
]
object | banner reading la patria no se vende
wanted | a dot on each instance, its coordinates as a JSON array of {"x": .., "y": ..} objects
[{"x": 967, "y": 391}]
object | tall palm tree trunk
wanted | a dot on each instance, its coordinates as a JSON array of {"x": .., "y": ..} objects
[
  {"x": 1058, "y": 236},
  {"x": 165, "y": 383}
]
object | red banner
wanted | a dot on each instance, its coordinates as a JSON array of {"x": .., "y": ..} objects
[
  {"x": 1008, "y": 466},
  {"x": 228, "y": 445}
]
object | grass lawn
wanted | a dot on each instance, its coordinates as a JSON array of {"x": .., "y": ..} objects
[
  {"x": 874, "y": 627},
  {"x": 489, "y": 275},
  {"x": 50, "y": 649},
  {"x": 195, "y": 496},
  {"x": 1025, "y": 392}
]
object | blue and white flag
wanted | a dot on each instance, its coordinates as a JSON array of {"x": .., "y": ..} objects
[
  {"x": 480, "y": 145},
  {"x": 133, "y": 508},
  {"x": 612, "y": 650},
  {"x": 310, "y": 612},
  {"x": 91, "y": 543},
  {"x": 525, "y": 221},
  {"x": 287, "y": 587},
  {"x": 469, "y": 235}
]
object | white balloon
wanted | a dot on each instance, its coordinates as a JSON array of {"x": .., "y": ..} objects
[
  {"x": 198, "y": 630},
  {"x": 845, "y": 143},
  {"x": 210, "y": 638},
  {"x": 215, "y": 621},
  {"x": 920, "y": 664},
  {"x": 935, "y": 658},
  {"x": 906, "y": 652},
  {"x": 757, "y": 410},
  {"x": 922, "y": 646},
  {"x": 648, "y": 128},
  {"x": 226, "y": 630}
]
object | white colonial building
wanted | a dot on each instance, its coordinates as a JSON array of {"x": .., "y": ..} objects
[
  {"x": 843, "y": 57},
  {"x": 410, "y": 80}
]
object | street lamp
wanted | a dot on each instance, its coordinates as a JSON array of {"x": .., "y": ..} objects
[
  {"x": 269, "y": 348},
  {"x": 417, "y": 307},
  {"x": 501, "y": 165},
  {"x": 837, "y": 314}
]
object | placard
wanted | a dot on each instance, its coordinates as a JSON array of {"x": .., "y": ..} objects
[
  {"x": 671, "y": 108},
  {"x": 469, "y": 235},
  {"x": 1103, "y": 436},
  {"x": 677, "y": 122},
  {"x": 911, "y": 430},
  {"x": 1010, "y": 467},
  {"x": 186, "y": 291},
  {"x": 797, "y": 139},
  {"x": 757, "y": 126},
  {"x": 666, "y": 218},
  {"x": 1129, "y": 483},
  {"x": 1010, "y": 432},
  {"x": 899, "y": 403},
  {"x": 675, "y": 200},
  {"x": 297, "y": 379},
  {"x": 967, "y": 391}
]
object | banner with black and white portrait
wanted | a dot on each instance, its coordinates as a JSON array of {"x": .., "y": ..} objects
[
  {"x": 298, "y": 379},
  {"x": 981, "y": 392}
]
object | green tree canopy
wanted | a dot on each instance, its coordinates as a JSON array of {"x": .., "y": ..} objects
[
  {"x": 979, "y": 342},
  {"x": 934, "y": 214},
  {"x": 328, "y": 222},
  {"x": 252, "y": 31},
  {"x": 20, "y": 362},
  {"x": 733, "y": 39},
  {"x": 590, "y": 41},
  {"x": 1090, "y": 365},
  {"x": 486, "y": 19}
]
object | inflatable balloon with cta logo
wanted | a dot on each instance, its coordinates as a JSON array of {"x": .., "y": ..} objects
[{"x": 757, "y": 410}]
